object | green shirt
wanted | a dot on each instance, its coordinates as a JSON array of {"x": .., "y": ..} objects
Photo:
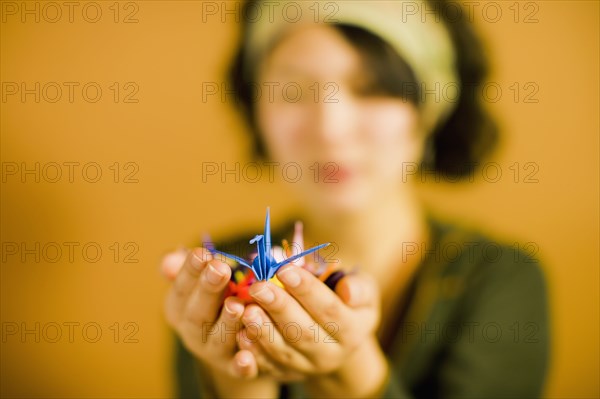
[{"x": 474, "y": 323}]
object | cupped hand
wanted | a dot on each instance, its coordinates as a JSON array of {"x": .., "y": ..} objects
[
  {"x": 307, "y": 329},
  {"x": 194, "y": 308}
]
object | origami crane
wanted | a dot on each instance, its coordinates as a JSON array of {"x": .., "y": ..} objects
[{"x": 264, "y": 266}]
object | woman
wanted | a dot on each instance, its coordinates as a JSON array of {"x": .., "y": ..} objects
[{"x": 433, "y": 310}]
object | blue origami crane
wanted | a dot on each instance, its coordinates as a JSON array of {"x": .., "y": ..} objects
[{"x": 264, "y": 264}]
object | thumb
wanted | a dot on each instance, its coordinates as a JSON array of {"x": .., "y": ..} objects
[{"x": 357, "y": 290}]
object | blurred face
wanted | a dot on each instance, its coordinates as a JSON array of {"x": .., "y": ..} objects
[{"x": 352, "y": 147}]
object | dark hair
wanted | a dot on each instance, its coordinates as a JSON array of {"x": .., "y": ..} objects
[
  {"x": 386, "y": 71},
  {"x": 454, "y": 147}
]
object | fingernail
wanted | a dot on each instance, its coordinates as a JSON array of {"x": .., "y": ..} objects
[
  {"x": 231, "y": 313},
  {"x": 264, "y": 295},
  {"x": 243, "y": 362},
  {"x": 289, "y": 277},
  {"x": 196, "y": 261},
  {"x": 213, "y": 275}
]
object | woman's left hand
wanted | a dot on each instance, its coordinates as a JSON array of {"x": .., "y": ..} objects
[{"x": 309, "y": 331}]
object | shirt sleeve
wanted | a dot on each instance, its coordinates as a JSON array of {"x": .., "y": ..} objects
[
  {"x": 394, "y": 387},
  {"x": 189, "y": 384}
]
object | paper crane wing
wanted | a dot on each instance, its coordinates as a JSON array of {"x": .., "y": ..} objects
[
  {"x": 293, "y": 258},
  {"x": 235, "y": 258}
]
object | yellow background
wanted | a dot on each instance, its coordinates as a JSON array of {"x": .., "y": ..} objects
[{"x": 168, "y": 54}]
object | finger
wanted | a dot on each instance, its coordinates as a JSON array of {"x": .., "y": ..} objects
[
  {"x": 320, "y": 302},
  {"x": 328, "y": 309},
  {"x": 286, "y": 312},
  {"x": 243, "y": 365},
  {"x": 223, "y": 335},
  {"x": 275, "y": 338},
  {"x": 361, "y": 292},
  {"x": 186, "y": 280},
  {"x": 358, "y": 290},
  {"x": 207, "y": 295},
  {"x": 266, "y": 365},
  {"x": 172, "y": 262},
  {"x": 190, "y": 271}
]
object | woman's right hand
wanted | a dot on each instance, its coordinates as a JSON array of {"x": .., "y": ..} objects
[
  {"x": 207, "y": 329},
  {"x": 192, "y": 310}
]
